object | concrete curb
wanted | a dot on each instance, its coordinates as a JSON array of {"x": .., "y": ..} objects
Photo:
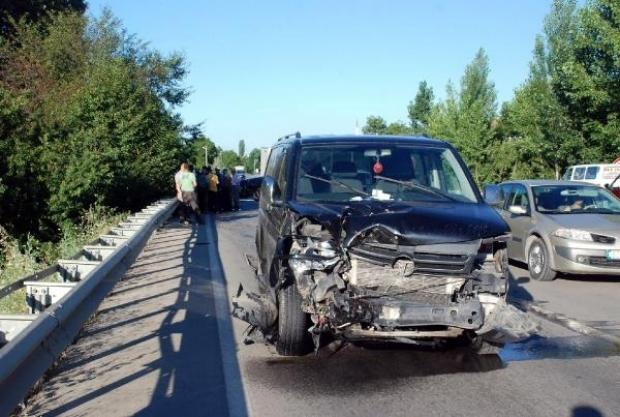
[{"x": 566, "y": 322}]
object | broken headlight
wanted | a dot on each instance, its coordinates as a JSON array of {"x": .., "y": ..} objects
[{"x": 312, "y": 254}]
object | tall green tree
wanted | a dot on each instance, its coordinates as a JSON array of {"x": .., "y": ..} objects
[
  {"x": 87, "y": 118},
  {"x": 467, "y": 116},
  {"x": 536, "y": 118},
  {"x": 241, "y": 149},
  {"x": 585, "y": 56},
  {"x": 376, "y": 125},
  {"x": 420, "y": 109},
  {"x": 252, "y": 162},
  {"x": 229, "y": 159},
  {"x": 33, "y": 10}
]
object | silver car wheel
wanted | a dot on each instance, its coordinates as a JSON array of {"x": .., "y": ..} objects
[
  {"x": 539, "y": 261},
  {"x": 536, "y": 260}
]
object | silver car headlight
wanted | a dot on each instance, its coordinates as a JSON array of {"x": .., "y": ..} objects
[{"x": 574, "y": 234}]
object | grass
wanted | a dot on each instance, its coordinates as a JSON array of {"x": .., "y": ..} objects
[{"x": 18, "y": 260}]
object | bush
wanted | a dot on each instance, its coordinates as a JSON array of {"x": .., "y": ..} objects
[{"x": 18, "y": 260}]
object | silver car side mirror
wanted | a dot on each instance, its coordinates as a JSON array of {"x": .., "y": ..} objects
[{"x": 518, "y": 210}]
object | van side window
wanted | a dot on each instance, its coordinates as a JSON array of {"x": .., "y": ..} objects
[
  {"x": 580, "y": 173},
  {"x": 281, "y": 163},
  {"x": 270, "y": 170},
  {"x": 567, "y": 174},
  {"x": 591, "y": 173}
]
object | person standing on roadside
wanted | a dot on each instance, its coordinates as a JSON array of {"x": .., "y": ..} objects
[
  {"x": 180, "y": 210},
  {"x": 236, "y": 189},
  {"x": 226, "y": 190},
  {"x": 220, "y": 182},
  {"x": 213, "y": 182},
  {"x": 187, "y": 184},
  {"x": 203, "y": 189}
]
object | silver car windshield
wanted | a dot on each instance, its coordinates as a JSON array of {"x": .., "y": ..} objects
[
  {"x": 566, "y": 199},
  {"x": 381, "y": 172}
]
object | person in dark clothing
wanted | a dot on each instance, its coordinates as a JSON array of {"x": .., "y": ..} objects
[
  {"x": 202, "y": 189},
  {"x": 213, "y": 185},
  {"x": 226, "y": 191},
  {"x": 220, "y": 200}
]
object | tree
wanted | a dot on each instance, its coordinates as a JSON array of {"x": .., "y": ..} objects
[
  {"x": 467, "y": 116},
  {"x": 32, "y": 11},
  {"x": 376, "y": 125},
  {"x": 229, "y": 159},
  {"x": 584, "y": 55},
  {"x": 536, "y": 116},
  {"x": 420, "y": 109},
  {"x": 241, "y": 149},
  {"x": 197, "y": 151},
  {"x": 86, "y": 117},
  {"x": 252, "y": 162}
]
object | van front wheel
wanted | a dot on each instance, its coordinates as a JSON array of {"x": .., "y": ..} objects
[{"x": 293, "y": 336}]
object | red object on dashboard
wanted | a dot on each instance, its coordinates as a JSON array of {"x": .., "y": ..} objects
[{"x": 377, "y": 168}]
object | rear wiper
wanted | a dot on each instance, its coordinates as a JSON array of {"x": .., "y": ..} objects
[
  {"x": 416, "y": 186},
  {"x": 336, "y": 182}
]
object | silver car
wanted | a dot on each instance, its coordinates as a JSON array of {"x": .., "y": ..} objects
[{"x": 560, "y": 226}]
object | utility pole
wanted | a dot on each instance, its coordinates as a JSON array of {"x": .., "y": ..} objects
[{"x": 206, "y": 148}]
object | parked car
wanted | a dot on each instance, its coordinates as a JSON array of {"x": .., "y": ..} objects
[
  {"x": 560, "y": 226},
  {"x": 377, "y": 238},
  {"x": 250, "y": 187}
]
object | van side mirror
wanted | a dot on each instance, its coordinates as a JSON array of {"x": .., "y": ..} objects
[
  {"x": 270, "y": 194},
  {"x": 491, "y": 195}
]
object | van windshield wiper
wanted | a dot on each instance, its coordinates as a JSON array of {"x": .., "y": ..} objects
[
  {"x": 416, "y": 186},
  {"x": 341, "y": 184}
]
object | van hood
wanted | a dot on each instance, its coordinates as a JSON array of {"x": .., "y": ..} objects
[{"x": 407, "y": 223}]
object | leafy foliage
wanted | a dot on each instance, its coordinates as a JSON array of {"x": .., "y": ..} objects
[
  {"x": 565, "y": 112},
  {"x": 376, "y": 125},
  {"x": 420, "y": 109},
  {"x": 87, "y": 118},
  {"x": 466, "y": 116},
  {"x": 33, "y": 10}
]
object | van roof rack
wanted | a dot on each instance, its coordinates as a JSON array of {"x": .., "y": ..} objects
[{"x": 295, "y": 135}]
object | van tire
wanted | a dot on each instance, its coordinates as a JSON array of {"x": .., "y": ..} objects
[{"x": 293, "y": 336}]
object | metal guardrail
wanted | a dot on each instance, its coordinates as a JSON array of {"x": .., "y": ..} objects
[{"x": 60, "y": 308}]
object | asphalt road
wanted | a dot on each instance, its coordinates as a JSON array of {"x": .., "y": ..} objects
[
  {"x": 163, "y": 344},
  {"x": 558, "y": 373}
]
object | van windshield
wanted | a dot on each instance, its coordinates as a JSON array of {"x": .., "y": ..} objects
[{"x": 390, "y": 173}]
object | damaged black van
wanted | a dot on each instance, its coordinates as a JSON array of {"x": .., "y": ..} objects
[{"x": 378, "y": 238}]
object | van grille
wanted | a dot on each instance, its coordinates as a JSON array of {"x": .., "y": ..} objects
[{"x": 423, "y": 262}]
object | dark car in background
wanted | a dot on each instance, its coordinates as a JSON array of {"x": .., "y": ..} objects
[
  {"x": 378, "y": 238},
  {"x": 250, "y": 187}
]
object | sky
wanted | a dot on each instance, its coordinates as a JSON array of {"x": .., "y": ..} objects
[{"x": 261, "y": 69}]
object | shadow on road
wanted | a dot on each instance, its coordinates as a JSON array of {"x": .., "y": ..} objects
[
  {"x": 187, "y": 377},
  {"x": 362, "y": 370}
]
